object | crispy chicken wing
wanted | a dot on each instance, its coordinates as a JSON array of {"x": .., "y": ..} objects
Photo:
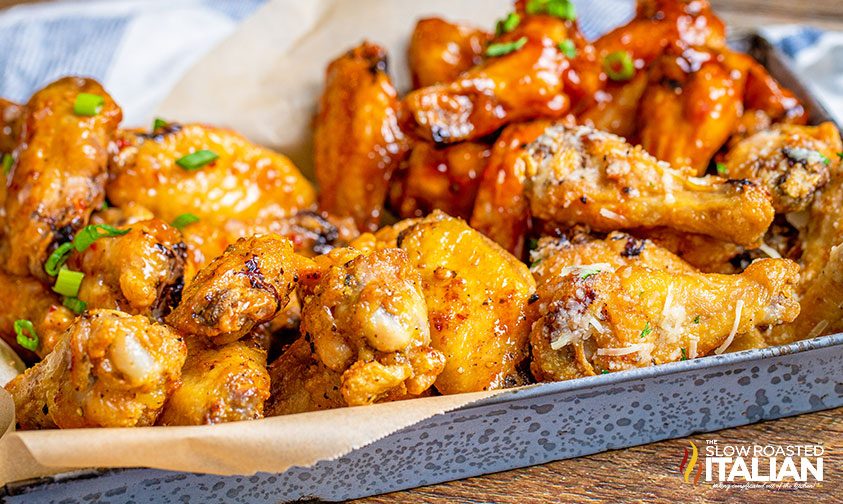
[
  {"x": 367, "y": 319},
  {"x": 247, "y": 182},
  {"x": 58, "y": 178},
  {"x": 245, "y": 286},
  {"x": 301, "y": 383},
  {"x": 579, "y": 175},
  {"x": 226, "y": 383},
  {"x": 439, "y": 178},
  {"x": 25, "y": 298},
  {"x": 439, "y": 51},
  {"x": 791, "y": 161},
  {"x": 824, "y": 228},
  {"x": 501, "y": 210},
  {"x": 596, "y": 318},
  {"x": 705, "y": 253},
  {"x": 139, "y": 272},
  {"x": 109, "y": 369},
  {"x": 357, "y": 141}
]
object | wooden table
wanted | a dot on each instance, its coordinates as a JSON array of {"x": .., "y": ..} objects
[{"x": 650, "y": 472}]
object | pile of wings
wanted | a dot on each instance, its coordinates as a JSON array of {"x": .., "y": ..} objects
[{"x": 539, "y": 207}]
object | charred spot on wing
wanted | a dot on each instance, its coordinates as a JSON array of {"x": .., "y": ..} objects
[
  {"x": 741, "y": 184},
  {"x": 169, "y": 298},
  {"x": 633, "y": 247}
]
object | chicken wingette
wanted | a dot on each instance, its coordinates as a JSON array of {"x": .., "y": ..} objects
[
  {"x": 60, "y": 170},
  {"x": 357, "y": 139},
  {"x": 580, "y": 175},
  {"x": 109, "y": 369}
]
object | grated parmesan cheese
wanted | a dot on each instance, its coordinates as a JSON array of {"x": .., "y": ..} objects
[
  {"x": 770, "y": 251},
  {"x": 584, "y": 268},
  {"x": 605, "y": 212},
  {"x": 631, "y": 349},
  {"x": 738, "y": 308},
  {"x": 692, "y": 348},
  {"x": 818, "y": 329}
]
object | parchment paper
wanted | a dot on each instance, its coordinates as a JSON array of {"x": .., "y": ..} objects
[{"x": 263, "y": 82}]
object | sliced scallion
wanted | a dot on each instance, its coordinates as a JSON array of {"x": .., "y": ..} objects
[
  {"x": 568, "y": 48},
  {"x": 198, "y": 159},
  {"x": 88, "y": 104},
  {"x": 89, "y": 234},
  {"x": 619, "y": 66},
  {"x": 502, "y": 48},
  {"x": 28, "y": 341},
  {"x": 75, "y": 305},
  {"x": 68, "y": 282},
  {"x": 8, "y": 161},
  {"x": 58, "y": 258},
  {"x": 184, "y": 220}
]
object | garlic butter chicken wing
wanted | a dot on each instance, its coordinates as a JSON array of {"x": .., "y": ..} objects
[
  {"x": 109, "y": 369},
  {"x": 247, "y": 285},
  {"x": 357, "y": 140},
  {"x": 579, "y": 175},
  {"x": 58, "y": 177},
  {"x": 644, "y": 309},
  {"x": 440, "y": 51},
  {"x": 25, "y": 298},
  {"x": 792, "y": 161},
  {"x": 367, "y": 320}
]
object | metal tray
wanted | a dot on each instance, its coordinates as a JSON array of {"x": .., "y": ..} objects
[{"x": 519, "y": 428}]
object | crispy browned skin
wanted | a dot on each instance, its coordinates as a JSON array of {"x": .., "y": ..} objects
[
  {"x": 530, "y": 82},
  {"x": 367, "y": 319},
  {"x": 247, "y": 182},
  {"x": 439, "y": 178},
  {"x": 579, "y": 175},
  {"x": 690, "y": 108},
  {"x": 11, "y": 117},
  {"x": 138, "y": 273},
  {"x": 594, "y": 317},
  {"x": 705, "y": 253},
  {"x": 26, "y": 298},
  {"x": 357, "y": 141},
  {"x": 220, "y": 384},
  {"x": 58, "y": 178},
  {"x": 439, "y": 50},
  {"x": 501, "y": 210},
  {"x": 792, "y": 161},
  {"x": 824, "y": 229},
  {"x": 301, "y": 383},
  {"x": 245, "y": 286},
  {"x": 476, "y": 296},
  {"x": 109, "y": 369}
]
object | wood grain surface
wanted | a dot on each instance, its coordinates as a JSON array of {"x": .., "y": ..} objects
[{"x": 650, "y": 473}]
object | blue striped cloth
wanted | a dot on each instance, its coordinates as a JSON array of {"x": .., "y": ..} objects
[{"x": 140, "y": 48}]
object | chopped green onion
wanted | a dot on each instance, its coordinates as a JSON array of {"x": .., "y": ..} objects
[
  {"x": 184, "y": 220},
  {"x": 507, "y": 24},
  {"x": 8, "y": 161},
  {"x": 68, "y": 282},
  {"x": 722, "y": 169},
  {"x": 30, "y": 341},
  {"x": 503, "y": 48},
  {"x": 535, "y": 263},
  {"x": 697, "y": 319},
  {"x": 158, "y": 123},
  {"x": 75, "y": 305},
  {"x": 684, "y": 354},
  {"x": 58, "y": 258},
  {"x": 89, "y": 234},
  {"x": 568, "y": 48},
  {"x": 604, "y": 372},
  {"x": 825, "y": 159},
  {"x": 647, "y": 330},
  {"x": 559, "y": 8},
  {"x": 619, "y": 66},
  {"x": 88, "y": 104},
  {"x": 200, "y": 158}
]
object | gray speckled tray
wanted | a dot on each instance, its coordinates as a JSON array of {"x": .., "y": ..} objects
[{"x": 524, "y": 427}]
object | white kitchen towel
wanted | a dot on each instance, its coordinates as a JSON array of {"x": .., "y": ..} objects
[{"x": 140, "y": 48}]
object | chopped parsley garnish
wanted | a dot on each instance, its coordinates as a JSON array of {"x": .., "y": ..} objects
[
  {"x": 647, "y": 330},
  {"x": 684, "y": 354},
  {"x": 697, "y": 319}
]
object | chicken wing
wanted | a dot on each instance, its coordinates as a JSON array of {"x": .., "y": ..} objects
[
  {"x": 11, "y": 122},
  {"x": 25, "y": 298},
  {"x": 109, "y": 369},
  {"x": 245, "y": 286},
  {"x": 246, "y": 182},
  {"x": 139, "y": 272},
  {"x": 225, "y": 383},
  {"x": 58, "y": 177},
  {"x": 579, "y": 175},
  {"x": 299, "y": 383},
  {"x": 439, "y": 51},
  {"x": 595, "y": 318},
  {"x": 705, "y": 253},
  {"x": 791, "y": 161},
  {"x": 824, "y": 229},
  {"x": 439, "y": 178},
  {"x": 501, "y": 210},
  {"x": 357, "y": 139},
  {"x": 616, "y": 109},
  {"x": 476, "y": 295},
  {"x": 367, "y": 319}
]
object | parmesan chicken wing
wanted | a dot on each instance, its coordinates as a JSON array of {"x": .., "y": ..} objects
[
  {"x": 440, "y": 51},
  {"x": 25, "y": 298},
  {"x": 357, "y": 139},
  {"x": 60, "y": 170},
  {"x": 225, "y": 383},
  {"x": 579, "y": 175},
  {"x": 367, "y": 320},
  {"x": 594, "y": 318},
  {"x": 247, "y": 285},
  {"x": 792, "y": 161},
  {"x": 109, "y": 369},
  {"x": 705, "y": 253},
  {"x": 824, "y": 229}
]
